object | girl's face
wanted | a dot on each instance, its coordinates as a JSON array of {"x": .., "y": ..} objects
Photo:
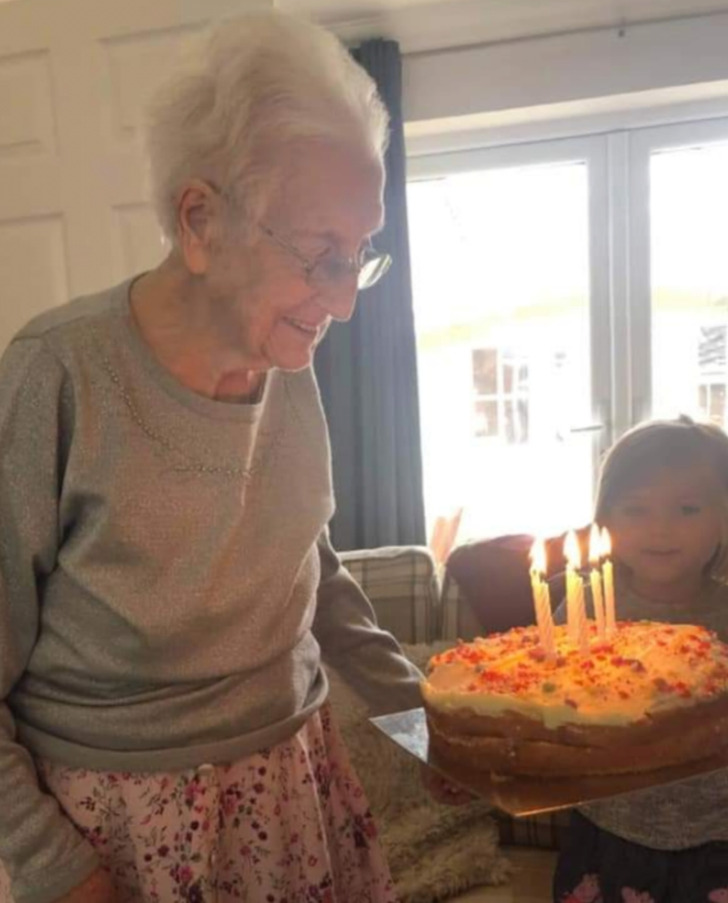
[{"x": 667, "y": 529}]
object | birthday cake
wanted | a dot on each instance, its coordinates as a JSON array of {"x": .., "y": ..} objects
[{"x": 647, "y": 696}]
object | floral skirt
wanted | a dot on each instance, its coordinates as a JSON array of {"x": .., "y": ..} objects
[
  {"x": 290, "y": 824},
  {"x": 596, "y": 866}
]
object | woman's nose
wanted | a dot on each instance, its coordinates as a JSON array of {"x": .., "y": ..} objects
[{"x": 339, "y": 302}]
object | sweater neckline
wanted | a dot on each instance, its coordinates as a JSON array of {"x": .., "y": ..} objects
[{"x": 248, "y": 412}]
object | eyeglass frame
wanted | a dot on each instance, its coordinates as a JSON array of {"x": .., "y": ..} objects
[{"x": 350, "y": 265}]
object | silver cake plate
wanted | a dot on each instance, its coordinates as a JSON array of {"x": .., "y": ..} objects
[{"x": 520, "y": 796}]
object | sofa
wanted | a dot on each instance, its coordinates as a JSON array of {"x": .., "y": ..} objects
[{"x": 427, "y": 608}]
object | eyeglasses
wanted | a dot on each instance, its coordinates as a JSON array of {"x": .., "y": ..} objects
[{"x": 331, "y": 270}]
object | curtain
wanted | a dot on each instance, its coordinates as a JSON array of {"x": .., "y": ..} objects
[{"x": 367, "y": 368}]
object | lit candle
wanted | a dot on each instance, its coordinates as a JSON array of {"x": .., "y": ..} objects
[
  {"x": 608, "y": 573},
  {"x": 542, "y": 599},
  {"x": 595, "y": 579},
  {"x": 575, "y": 610}
]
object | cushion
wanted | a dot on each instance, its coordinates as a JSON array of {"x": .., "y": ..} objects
[
  {"x": 493, "y": 575},
  {"x": 402, "y": 584}
]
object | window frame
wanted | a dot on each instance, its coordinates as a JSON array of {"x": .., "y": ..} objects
[{"x": 642, "y": 144}]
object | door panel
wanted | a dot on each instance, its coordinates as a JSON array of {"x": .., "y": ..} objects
[{"x": 74, "y": 77}]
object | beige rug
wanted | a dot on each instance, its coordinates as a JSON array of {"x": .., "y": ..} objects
[{"x": 434, "y": 851}]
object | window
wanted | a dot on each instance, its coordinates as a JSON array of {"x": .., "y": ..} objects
[
  {"x": 712, "y": 374},
  {"x": 563, "y": 291},
  {"x": 689, "y": 279},
  {"x": 501, "y": 284},
  {"x": 500, "y": 381}
]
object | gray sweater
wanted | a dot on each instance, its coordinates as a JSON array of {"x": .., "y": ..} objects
[
  {"x": 167, "y": 586},
  {"x": 689, "y": 813}
]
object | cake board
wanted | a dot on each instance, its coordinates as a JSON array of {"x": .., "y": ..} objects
[{"x": 521, "y": 796}]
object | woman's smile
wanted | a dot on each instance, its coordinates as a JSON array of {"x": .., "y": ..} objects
[{"x": 310, "y": 329}]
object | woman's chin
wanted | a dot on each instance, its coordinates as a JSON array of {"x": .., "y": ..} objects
[
  {"x": 293, "y": 359},
  {"x": 292, "y": 352}
]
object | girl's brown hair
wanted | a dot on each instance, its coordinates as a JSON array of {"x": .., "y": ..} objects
[{"x": 666, "y": 443}]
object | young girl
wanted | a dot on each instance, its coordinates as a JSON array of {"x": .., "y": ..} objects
[{"x": 663, "y": 494}]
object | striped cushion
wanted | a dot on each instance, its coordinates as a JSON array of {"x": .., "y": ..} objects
[{"x": 402, "y": 584}]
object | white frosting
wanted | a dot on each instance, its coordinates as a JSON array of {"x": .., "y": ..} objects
[{"x": 645, "y": 668}]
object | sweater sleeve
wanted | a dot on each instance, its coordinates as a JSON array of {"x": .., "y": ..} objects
[
  {"x": 43, "y": 853},
  {"x": 368, "y": 658}
]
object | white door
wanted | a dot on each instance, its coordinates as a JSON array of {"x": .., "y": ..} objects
[{"x": 74, "y": 75}]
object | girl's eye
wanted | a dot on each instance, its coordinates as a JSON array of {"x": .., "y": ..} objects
[{"x": 690, "y": 510}]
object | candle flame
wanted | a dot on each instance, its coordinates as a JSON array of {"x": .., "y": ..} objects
[
  {"x": 606, "y": 543},
  {"x": 595, "y": 544},
  {"x": 538, "y": 556},
  {"x": 572, "y": 550}
]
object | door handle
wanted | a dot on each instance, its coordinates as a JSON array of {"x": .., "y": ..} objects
[{"x": 587, "y": 428}]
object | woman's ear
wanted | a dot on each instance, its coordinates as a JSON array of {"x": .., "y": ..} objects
[{"x": 198, "y": 215}]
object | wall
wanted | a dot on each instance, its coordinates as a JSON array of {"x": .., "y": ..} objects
[{"x": 681, "y": 64}]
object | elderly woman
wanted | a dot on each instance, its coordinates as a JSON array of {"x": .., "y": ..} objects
[{"x": 167, "y": 586}]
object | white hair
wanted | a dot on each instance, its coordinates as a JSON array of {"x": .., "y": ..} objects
[{"x": 264, "y": 81}]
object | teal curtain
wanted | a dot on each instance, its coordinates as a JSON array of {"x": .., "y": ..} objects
[{"x": 367, "y": 369}]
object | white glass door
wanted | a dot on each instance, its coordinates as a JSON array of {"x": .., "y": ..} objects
[
  {"x": 680, "y": 214},
  {"x": 511, "y": 307}
]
